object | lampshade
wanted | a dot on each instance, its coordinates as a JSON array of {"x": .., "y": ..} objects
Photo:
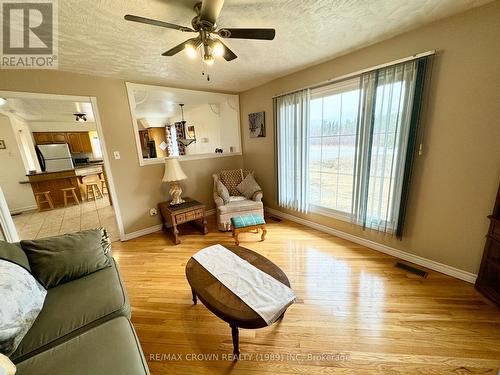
[{"x": 173, "y": 171}]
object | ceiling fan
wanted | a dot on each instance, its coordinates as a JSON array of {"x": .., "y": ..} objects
[{"x": 208, "y": 39}]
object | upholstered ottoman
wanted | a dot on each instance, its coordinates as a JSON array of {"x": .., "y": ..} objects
[{"x": 248, "y": 223}]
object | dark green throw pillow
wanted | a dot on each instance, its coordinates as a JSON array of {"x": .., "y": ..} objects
[
  {"x": 14, "y": 253},
  {"x": 57, "y": 260}
]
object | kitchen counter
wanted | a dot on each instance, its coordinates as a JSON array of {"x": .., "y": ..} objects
[
  {"x": 77, "y": 167},
  {"x": 89, "y": 164},
  {"x": 55, "y": 181}
]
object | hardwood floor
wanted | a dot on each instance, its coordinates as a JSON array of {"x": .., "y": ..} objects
[{"x": 356, "y": 313}]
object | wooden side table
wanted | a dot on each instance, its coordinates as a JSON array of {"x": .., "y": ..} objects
[{"x": 190, "y": 211}]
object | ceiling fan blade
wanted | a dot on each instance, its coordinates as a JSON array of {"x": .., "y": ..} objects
[
  {"x": 228, "y": 54},
  {"x": 210, "y": 10},
  {"x": 265, "y": 34},
  {"x": 149, "y": 21},
  {"x": 178, "y": 48}
]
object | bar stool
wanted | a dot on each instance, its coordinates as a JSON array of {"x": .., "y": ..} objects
[
  {"x": 44, "y": 197},
  {"x": 93, "y": 188},
  {"x": 104, "y": 186},
  {"x": 72, "y": 195}
]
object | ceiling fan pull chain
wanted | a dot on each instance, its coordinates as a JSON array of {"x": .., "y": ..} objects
[{"x": 202, "y": 65}]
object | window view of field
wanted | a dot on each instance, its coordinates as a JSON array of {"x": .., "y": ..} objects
[
  {"x": 332, "y": 150},
  {"x": 333, "y": 137}
]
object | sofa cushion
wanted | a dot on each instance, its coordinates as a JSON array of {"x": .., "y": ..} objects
[
  {"x": 240, "y": 206},
  {"x": 59, "y": 259},
  {"x": 236, "y": 199},
  {"x": 74, "y": 307},
  {"x": 110, "y": 348},
  {"x": 14, "y": 253}
]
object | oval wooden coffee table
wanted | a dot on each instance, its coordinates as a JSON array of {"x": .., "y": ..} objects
[{"x": 224, "y": 303}]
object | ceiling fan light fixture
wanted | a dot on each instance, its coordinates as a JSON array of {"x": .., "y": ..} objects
[
  {"x": 205, "y": 45},
  {"x": 218, "y": 49},
  {"x": 191, "y": 50},
  {"x": 209, "y": 60},
  {"x": 80, "y": 117}
]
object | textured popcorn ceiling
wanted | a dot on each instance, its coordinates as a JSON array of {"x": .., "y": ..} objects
[
  {"x": 95, "y": 39},
  {"x": 51, "y": 110}
]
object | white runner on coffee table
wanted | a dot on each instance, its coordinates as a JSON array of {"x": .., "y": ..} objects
[{"x": 262, "y": 293}]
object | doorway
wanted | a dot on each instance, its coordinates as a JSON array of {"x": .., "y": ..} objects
[{"x": 56, "y": 177}]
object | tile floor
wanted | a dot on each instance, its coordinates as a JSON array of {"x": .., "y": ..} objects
[{"x": 92, "y": 214}]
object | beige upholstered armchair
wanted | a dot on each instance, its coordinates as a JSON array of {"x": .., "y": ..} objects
[{"x": 236, "y": 203}]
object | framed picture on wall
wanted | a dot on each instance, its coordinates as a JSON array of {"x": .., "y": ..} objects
[
  {"x": 257, "y": 124},
  {"x": 2, "y": 144}
]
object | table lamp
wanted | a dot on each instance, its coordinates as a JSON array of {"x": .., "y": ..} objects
[{"x": 173, "y": 174}]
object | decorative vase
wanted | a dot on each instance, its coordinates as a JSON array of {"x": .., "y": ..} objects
[{"x": 175, "y": 193}]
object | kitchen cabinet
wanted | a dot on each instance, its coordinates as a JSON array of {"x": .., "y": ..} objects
[
  {"x": 59, "y": 138},
  {"x": 75, "y": 143},
  {"x": 86, "y": 143},
  {"x": 78, "y": 142},
  {"x": 44, "y": 138}
]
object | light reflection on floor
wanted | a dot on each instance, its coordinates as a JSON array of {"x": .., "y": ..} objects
[
  {"x": 328, "y": 279},
  {"x": 371, "y": 298}
]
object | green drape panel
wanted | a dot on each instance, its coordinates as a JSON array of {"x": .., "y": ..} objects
[{"x": 410, "y": 154}]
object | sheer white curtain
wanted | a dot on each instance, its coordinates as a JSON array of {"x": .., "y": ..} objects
[
  {"x": 383, "y": 131},
  {"x": 292, "y": 142}
]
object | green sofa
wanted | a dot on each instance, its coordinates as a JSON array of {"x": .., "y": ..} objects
[{"x": 83, "y": 328}]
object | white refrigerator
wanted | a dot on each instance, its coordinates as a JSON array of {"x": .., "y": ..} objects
[{"x": 54, "y": 157}]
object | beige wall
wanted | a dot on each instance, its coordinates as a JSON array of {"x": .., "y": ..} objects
[
  {"x": 138, "y": 188},
  {"x": 12, "y": 170},
  {"x": 455, "y": 180}
]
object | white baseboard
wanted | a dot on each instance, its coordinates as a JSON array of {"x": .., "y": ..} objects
[
  {"x": 424, "y": 262},
  {"x": 22, "y": 209},
  {"x": 142, "y": 232},
  {"x": 154, "y": 228}
]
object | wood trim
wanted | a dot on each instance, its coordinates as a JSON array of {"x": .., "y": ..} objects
[
  {"x": 6, "y": 223},
  {"x": 97, "y": 120},
  {"x": 107, "y": 168}
]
